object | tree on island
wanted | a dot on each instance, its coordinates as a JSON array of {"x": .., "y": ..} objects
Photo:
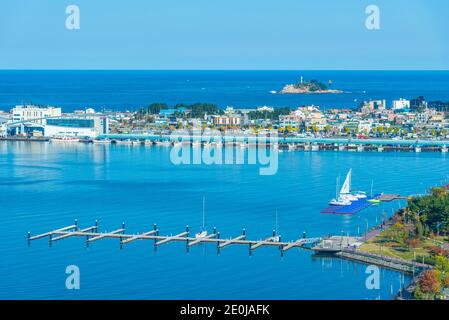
[{"x": 312, "y": 86}]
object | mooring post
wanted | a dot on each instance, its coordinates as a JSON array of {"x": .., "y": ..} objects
[
  {"x": 244, "y": 232},
  {"x": 96, "y": 225},
  {"x": 250, "y": 251},
  {"x": 187, "y": 240},
  {"x": 274, "y": 233},
  {"x": 304, "y": 235},
  {"x": 29, "y": 236},
  {"x": 76, "y": 224},
  {"x": 215, "y": 230},
  {"x": 155, "y": 240},
  {"x": 50, "y": 239},
  {"x": 121, "y": 238},
  {"x": 281, "y": 247}
]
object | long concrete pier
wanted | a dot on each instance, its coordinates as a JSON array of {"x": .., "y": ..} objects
[
  {"x": 310, "y": 141},
  {"x": 91, "y": 235}
]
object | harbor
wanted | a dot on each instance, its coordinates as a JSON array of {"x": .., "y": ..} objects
[
  {"x": 139, "y": 185},
  {"x": 343, "y": 247}
]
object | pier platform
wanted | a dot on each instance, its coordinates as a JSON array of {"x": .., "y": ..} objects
[{"x": 354, "y": 207}]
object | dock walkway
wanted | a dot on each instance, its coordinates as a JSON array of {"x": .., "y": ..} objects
[{"x": 92, "y": 235}]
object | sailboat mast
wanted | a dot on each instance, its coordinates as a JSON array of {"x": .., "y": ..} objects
[
  {"x": 276, "y": 226},
  {"x": 204, "y": 204},
  {"x": 337, "y": 186}
]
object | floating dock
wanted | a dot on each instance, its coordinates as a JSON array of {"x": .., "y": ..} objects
[
  {"x": 361, "y": 204},
  {"x": 91, "y": 235},
  {"x": 354, "y": 207}
]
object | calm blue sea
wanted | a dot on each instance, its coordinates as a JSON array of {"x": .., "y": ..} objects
[
  {"x": 123, "y": 90},
  {"x": 45, "y": 186}
]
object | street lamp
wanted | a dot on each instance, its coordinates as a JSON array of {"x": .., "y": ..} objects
[{"x": 366, "y": 221}]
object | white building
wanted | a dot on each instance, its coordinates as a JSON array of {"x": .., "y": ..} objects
[
  {"x": 401, "y": 104},
  {"x": 365, "y": 126},
  {"x": 77, "y": 127},
  {"x": 290, "y": 120},
  {"x": 265, "y": 109},
  {"x": 29, "y": 112}
]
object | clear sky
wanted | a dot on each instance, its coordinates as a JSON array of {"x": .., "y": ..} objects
[{"x": 224, "y": 34}]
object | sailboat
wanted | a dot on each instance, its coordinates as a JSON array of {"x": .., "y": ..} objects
[
  {"x": 346, "y": 192},
  {"x": 339, "y": 201},
  {"x": 203, "y": 232}
]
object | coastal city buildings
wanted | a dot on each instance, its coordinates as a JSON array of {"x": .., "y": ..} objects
[{"x": 405, "y": 119}]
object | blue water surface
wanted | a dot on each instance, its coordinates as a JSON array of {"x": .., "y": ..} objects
[
  {"x": 44, "y": 186},
  {"x": 129, "y": 90}
]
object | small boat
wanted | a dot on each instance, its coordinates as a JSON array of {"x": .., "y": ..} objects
[
  {"x": 124, "y": 142},
  {"x": 148, "y": 142},
  {"x": 65, "y": 139},
  {"x": 359, "y": 194},
  {"x": 377, "y": 201},
  {"x": 273, "y": 92},
  {"x": 203, "y": 232},
  {"x": 339, "y": 202},
  {"x": 102, "y": 141}
]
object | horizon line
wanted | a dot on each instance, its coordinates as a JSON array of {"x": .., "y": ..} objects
[{"x": 218, "y": 69}]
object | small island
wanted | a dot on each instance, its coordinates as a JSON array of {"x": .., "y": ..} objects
[{"x": 303, "y": 87}]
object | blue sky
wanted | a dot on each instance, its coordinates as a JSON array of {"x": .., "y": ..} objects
[{"x": 231, "y": 34}]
